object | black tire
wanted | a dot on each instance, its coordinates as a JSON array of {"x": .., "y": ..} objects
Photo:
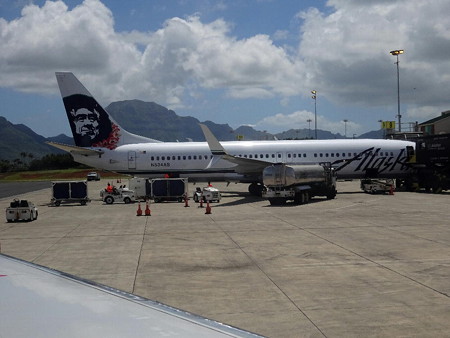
[
  {"x": 277, "y": 201},
  {"x": 195, "y": 198},
  {"x": 57, "y": 203},
  {"x": 83, "y": 202},
  {"x": 36, "y": 215},
  {"x": 332, "y": 194},
  {"x": 127, "y": 200},
  {"x": 109, "y": 200}
]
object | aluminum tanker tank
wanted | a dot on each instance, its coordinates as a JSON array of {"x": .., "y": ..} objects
[{"x": 287, "y": 175}]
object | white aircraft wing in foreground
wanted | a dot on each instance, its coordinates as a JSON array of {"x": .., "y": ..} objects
[{"x": 39, "y": 302}]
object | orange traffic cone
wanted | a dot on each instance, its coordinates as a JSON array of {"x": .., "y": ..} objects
[
  {"x": 147, "y": 209},
  {"x": 139, "y": 210},
  {"x": 201, "y": 202},
  {"x": 208, "y": 208},
  {"x": 186, "y": 205}
]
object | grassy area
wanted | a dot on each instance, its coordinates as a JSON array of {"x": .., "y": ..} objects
[{"x": 54, "y": 175}]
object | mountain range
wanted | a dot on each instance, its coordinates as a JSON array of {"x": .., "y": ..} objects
[{"x": 147, "y": 119}]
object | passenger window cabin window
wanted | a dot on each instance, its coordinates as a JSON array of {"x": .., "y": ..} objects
[
  {"x": 315, "y": 155},
  {"x": 184, "y": 157},
  {"x": 337, "y": 155},
  {"x": 279, "y": 155},
  {"x": 267, "y": 155},
  {"x": 273, "y": 155},
  {"x": 289, "y": 155},
  {"x": 157, "y": 158},
  {"x": 152, "y": 158},
  {"x": 189, "y": 157},
  {"x": 321, "y": 155},
  {"x": 332, "y": 154}
]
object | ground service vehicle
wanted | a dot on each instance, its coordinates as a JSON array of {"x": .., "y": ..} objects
[
  {"x": 377, "y": 186},
  {"x": 69, "y": 192},
  {"x": 432, "y": 165},
  {"x": 21, "y": 210},
  {"x": 124, "y": 195},
  {"x": 207, "y": 194},
  {"x": 168, "y": 189},
  {"x": 298, "y": 182},
  {"x": 93, "y": 176}
]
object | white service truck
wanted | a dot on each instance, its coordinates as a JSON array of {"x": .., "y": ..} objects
[
  {"x": 299, "y": 183},
  {"x": 207, "y": 194},
  {"x": 21, "y": 210},
  {"x": 372, "y": 186},
  {"x": 121, "y": 194}
]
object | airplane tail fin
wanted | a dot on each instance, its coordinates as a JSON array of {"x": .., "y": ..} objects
[{"x": 91, "y": 125}]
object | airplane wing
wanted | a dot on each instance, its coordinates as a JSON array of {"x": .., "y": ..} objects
[
  {"x": 76, "y": 149},
  {"x": 244, "y": 165},
  {"x": 41, "y": 302}
]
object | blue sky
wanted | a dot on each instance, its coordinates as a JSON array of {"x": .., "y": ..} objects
[{"x": 250, "y": 62}]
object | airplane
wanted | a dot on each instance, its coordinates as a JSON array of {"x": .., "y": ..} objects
[
  {"x": 42, "y": 302},
  {"x": 100, "y": 142}
]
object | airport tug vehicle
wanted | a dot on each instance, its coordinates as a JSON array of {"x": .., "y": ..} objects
[
  {"x": 21, "y": 210},
  {"x": 207, "y": 194},
  {"x": 120, "y": 194},
  {"x": 371, "y": 186}
]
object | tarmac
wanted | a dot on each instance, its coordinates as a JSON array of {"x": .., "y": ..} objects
[{"x": 360, "y": 265}]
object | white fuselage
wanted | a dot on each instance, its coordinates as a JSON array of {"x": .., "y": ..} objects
[{"x": 350, "y": 158}]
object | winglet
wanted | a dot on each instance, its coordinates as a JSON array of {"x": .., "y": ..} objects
[{"x": 213, "y": 143}]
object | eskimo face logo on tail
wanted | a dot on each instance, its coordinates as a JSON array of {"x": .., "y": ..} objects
[{"x": 90, "y": 124}]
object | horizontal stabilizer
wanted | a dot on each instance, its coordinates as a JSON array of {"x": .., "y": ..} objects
[{"x": 76, "y": 150}]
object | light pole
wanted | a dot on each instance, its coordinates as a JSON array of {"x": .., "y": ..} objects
[
  {"x": 345, "y": 128},
  {"x": 397, "y": 53},
  {"x": 309, "y": 127},
  {"x": 314, "y": 96}
]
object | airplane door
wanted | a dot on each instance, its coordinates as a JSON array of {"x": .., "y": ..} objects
[{"x": 131, "y": 160}]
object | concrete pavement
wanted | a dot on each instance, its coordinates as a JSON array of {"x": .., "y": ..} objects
[{"x": 359, "y": 265}]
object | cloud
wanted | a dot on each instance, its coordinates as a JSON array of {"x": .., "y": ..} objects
[
  {"x": 347, "y": 52},
  {"x": 299, "y": 120},
  {"x": 159, "y": 65},
  {"x": 343, "y": 53}
]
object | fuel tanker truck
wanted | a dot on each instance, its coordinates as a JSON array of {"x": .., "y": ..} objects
[{"x": 298, "y": 183}]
